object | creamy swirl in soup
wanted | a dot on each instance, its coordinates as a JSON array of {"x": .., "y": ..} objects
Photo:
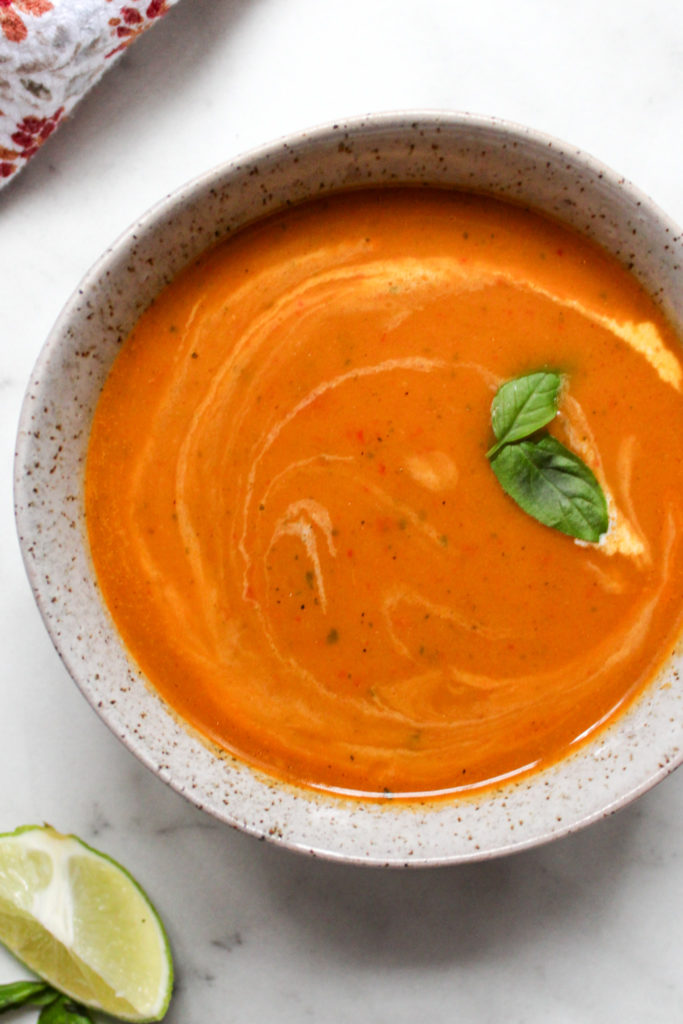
[{"x": 296, "y": 529}]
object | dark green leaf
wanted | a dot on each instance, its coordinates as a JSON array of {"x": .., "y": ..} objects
[
  {"x": 47, "y": 997},
  {"x": 64, "y": 1011},
  {"x": 25, "y": 993},
  {"x": 522, "y": 406},
  {"x": 554, "y": 486}
]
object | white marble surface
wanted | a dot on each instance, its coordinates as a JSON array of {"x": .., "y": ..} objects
[{"x": 588, "y": 929}]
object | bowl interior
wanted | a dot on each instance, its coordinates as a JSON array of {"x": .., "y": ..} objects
[{"x": 424, "y": 150}]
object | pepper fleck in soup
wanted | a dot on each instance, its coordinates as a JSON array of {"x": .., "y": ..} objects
[{"x": 297, "y": 531}]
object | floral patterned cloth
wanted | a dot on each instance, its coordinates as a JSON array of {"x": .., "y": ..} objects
[{"x": 51, "y": 53}]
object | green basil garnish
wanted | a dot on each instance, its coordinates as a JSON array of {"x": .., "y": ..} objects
[
  {"x": 64, "y": 1011},
  {"x": 522, "y": 406},
  {"x": 25, "y": 993},
  {"x": 56, "y": 1007},
  {"x": 554, "y": 486},
  {"x": 547, "y": 480}
]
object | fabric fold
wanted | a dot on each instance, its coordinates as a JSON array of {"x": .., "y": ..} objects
[{"x": 51, "y": 53}]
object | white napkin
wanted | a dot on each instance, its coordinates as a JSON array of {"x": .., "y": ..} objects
[{"x": 51, "y": 53}]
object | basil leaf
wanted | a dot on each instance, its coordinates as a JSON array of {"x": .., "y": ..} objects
[
  {"x": 523, "y": 405},
  {"x": 25, "y": 993},
  {"x": 554, "y": 486},
  {"x": 64, "y": 1011}
]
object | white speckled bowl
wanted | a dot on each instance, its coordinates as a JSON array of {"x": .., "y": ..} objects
[{"x": 422, "y": 148}]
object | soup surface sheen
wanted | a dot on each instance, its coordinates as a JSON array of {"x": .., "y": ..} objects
[{"x": 296, "y": 529}]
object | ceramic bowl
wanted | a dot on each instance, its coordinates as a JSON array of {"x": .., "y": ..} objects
[{"x": 462, "y": 151}]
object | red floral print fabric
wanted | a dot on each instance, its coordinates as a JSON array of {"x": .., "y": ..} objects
[{"x": 51, "y": 53}]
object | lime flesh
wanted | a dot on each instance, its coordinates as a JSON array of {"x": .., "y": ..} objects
[{"x": 81, "y": 922}]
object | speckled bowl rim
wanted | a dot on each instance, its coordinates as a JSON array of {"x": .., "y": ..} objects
[{"x": 419, "y": 147}]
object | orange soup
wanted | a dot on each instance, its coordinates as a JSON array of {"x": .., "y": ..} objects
[{"x": 295, "y": 525}]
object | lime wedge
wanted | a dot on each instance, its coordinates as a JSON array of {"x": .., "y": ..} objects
[{"x": 81, "y": 922}]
